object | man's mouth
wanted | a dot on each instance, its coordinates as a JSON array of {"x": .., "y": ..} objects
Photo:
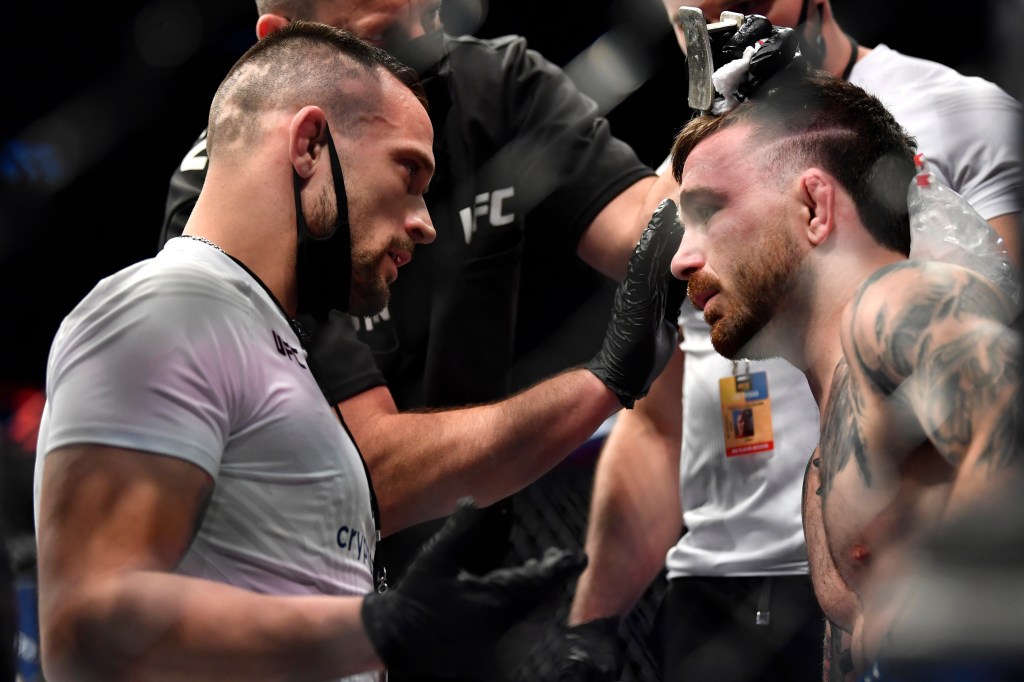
[
  {"x": 701, "y": 288},
  {"x": 700, "y": 297},
  {"x": 399, "y": 257}
]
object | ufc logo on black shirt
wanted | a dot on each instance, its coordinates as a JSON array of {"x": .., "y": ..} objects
[{"x": 490, "y": 205}]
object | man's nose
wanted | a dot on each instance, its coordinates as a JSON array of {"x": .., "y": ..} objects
[
  {"x": 689, "y": 256},
  {"x": 420, "y": 227}
]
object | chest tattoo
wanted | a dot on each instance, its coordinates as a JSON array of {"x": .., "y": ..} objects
[{"x": 841, "y": 436}]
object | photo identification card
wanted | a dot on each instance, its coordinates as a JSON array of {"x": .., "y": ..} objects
[{"x": 746, "y": 414}]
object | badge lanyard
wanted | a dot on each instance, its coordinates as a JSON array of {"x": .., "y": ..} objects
[{"x": 746, "y": 412}]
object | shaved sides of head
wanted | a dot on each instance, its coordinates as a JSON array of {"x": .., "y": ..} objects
[{"x": 301, "y": 64}]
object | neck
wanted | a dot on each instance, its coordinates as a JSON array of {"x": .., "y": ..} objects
[
  {"x": 821, "y": 352},
  {"x": 838, "y": 282},
  {"x": 252, "y": 221},
  {"x": 838, "y": 46}
]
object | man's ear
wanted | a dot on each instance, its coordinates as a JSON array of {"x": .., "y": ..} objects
[
  {"x": 818, "y": 192},
  {"x": 268, "y": 23},
  {"x": 307, "y": 140}
]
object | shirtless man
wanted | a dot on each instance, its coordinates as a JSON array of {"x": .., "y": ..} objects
[{"x": 796, "y": 246}]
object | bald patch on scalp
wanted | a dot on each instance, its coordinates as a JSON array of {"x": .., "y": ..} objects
[{"x": 293, "y": 75}]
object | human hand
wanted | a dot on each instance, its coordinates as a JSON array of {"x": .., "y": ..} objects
[
  {"x": 748, "y": 58},
  {"x": 591, "y": 652},
  {"x": 444, "y": 621},
  {"x": 643, "y": 331},
  {"x": 588, "y": 652}
]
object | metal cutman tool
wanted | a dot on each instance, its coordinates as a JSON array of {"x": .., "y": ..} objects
[{"x": 700, "y": 35}]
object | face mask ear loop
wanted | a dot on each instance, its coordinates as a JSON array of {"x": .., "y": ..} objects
[
  {"x": 324, "y": 265},
  {"x": 300, "y": 216}
]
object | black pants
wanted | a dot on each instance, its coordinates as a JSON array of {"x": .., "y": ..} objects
[{"x": 706, "y": 629}]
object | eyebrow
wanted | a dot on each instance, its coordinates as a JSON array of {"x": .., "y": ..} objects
[{"x": 688, "y": 197}]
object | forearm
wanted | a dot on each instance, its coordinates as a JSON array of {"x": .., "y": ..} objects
[
  {"x": 142, "y": 625},
  {"x": 609, "y": 240},
  {"x": 422, "y": 463},
  {"x": 635, "y": 513}
]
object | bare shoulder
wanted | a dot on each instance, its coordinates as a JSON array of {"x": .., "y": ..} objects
[{"x": 907, "y": 310}]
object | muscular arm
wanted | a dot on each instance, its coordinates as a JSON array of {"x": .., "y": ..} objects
[
  {"x": 944, "y": 346},
  {"x": 423, "y": 462},
  {"x": 635, "y": 514},
  {"x": 113, "y": 523}
]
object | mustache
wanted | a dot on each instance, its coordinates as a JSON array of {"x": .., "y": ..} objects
[
  {"x": 699, "y": 284},
  {"x": 401, "y": 243}
]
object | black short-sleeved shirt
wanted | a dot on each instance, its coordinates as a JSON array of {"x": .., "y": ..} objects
[
  {"x": 500, "y": 299},
  {"x": 524, "y": 164}
]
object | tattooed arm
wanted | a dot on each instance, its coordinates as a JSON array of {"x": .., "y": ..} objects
[{"x": 938, "y": 339}]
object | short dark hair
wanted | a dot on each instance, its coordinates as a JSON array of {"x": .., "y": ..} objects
[
  {"x": 810, "y": 117},
  {"x": 299, "y": 64}
]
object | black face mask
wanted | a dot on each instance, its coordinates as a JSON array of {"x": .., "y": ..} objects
[
  {"x": 324, "y": 265},
  {"x": 421, "y": 54},
  {"x": 812, "y": 43}
]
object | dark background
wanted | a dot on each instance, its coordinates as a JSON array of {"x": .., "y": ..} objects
[{"x": 102, "y": 103}]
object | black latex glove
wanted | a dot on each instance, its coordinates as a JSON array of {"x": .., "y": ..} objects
[
  {"x": 727, "y": 47},
  {"x": 442, "y": 620},
  {"x": 588, "y": 652},
  {"x": 592, "y": 652},
  {"x": 643, "y": 331},
  {"x": 777, "y": 53}
]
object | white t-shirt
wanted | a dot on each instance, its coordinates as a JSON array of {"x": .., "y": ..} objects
[
  {"x": 968, "y": 128},
  {"x": 186, "y": 355},
  {"x": 742, "y": 514}
]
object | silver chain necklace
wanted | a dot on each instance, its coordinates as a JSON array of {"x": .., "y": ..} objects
[{"x": 204, "y": 240}]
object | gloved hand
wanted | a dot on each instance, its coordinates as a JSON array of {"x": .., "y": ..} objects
[
  {"x": 643, "y": 331},
  {"x": 773, "y": 50},
  {"x": 442, "y": 620},
  {"x": 592, "y": 652},
  {"x": 588, "y": 652}
]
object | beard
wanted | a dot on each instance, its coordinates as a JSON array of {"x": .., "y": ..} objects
[
  {"x": 761, "y": 287},
  {"x": 369, "y": 290}
]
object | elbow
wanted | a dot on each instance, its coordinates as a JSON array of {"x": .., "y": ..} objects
[
  {"x": 78, "y": 646},
  {"x": 65, "y": 655}
]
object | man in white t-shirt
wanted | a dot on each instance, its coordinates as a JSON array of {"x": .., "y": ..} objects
[
  {"x": 202, "y": 512},
  {"x": 739, "y": 605}
]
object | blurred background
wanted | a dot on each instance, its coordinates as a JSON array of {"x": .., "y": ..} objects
[{"x": 103, "y": 102}]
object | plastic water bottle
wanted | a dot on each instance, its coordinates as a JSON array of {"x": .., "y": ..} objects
[{"x": 944, "y": 227}]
